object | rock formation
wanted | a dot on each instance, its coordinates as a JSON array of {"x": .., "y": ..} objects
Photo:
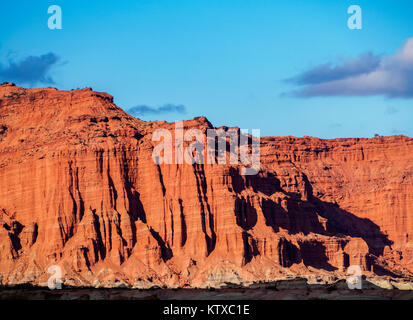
[{"x": 79, "y": 189}]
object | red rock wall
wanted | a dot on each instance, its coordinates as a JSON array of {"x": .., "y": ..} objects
[{"x": 79, "y": 188}]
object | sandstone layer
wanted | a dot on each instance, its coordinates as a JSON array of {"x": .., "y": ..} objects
[{"x": 79, "y": 189}]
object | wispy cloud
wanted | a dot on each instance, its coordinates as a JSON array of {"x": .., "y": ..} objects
[
  {"x": 366, "y": 75},
  {"x": 31, "y": 70},
  {"x": 364, "y": 63},
  {"x": 167, "y": 108}
]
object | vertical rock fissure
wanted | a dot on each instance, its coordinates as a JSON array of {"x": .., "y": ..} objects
[
  {"x": 183, "y": 223},
  {"x": 210, "y": 235}
]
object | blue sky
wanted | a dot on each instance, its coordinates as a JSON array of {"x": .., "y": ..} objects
[{"x": 228, "y": 60}]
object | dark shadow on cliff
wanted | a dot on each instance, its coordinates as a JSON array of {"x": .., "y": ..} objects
[
  {"x": 311, "y": 249},
  {"x": 305, "y": 216},
  {"x": 206, "y": 212},
  {"x": 250, "y": 247},
  {"x": 340, "y": 221},
  {"x": 135, "y": 210},
  {"x": 166, "y": 252},
  {"x": 246, "y": 214}
]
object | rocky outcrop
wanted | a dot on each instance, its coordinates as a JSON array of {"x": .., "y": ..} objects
[{"x": 79, "y": 189}]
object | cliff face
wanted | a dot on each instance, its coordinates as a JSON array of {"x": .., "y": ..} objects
[{"x": 79, "y": 189}]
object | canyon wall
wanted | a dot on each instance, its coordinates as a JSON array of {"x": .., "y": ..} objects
[{"x": 79, "y": 189}]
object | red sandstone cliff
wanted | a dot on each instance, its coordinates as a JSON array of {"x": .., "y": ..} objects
[{"x": 79, "y": 189}]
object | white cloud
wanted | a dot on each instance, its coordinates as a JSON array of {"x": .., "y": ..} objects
[{"x": 392, "y": 76}]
